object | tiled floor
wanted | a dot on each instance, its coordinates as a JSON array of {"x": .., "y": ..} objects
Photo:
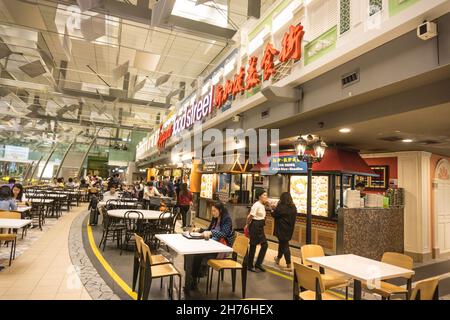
[{"x": 44, "y": 271}]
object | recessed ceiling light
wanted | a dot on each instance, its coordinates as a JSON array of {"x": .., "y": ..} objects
[
  {"x": 407, "y": 140},
  {"x": 345, "y": 130}
]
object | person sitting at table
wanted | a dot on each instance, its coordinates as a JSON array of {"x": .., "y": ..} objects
[
  {"x": 11, "y": 182},
  {"x": 70, "y": 183},
  {"x": 6, "y": 201},
  {"x": 84, "y": 184},
  {"x": 17, "y": 192},
  {"x": 150, "y": 191},
  {"x": 60, "y": 182},
  {"x": 53, "y": 183},
  {"x": 111, "y": 194},
  {"x": 221, "y": 230}
]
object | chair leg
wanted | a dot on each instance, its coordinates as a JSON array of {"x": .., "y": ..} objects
[
  {"x": 179, "y": 287},
  {"x": 207, "y": 280},
  {"x": 244, "y": 281},
  {"x": 222, "y": 275},
  {"x": 171, "y": 288},
  {"x": 218, "y": 284},
  {"x": 346, "y": 293},
  {"x": 135, "y": 273},
  {"x": 11, "y": 254},
  {"x": 233, "y": 279},
  {"x": 211, "y": 280},
  {"x": 161, "y": 283}
]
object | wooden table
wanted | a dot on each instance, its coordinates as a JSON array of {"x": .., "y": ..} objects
[
  {"x": 360, "y": 269},
  {"x": 189, "y": 248}
]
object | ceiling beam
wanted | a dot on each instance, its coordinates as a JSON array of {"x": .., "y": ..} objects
[{"x": 90, "y": 123}]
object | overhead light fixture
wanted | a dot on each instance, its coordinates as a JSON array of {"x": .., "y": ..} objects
[
  {"x": 274, "y": 144},
  {"x": 345, "y": 130},
  {"x": 407, "y": 140}
]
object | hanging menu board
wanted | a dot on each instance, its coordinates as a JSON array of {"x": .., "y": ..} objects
[{"x": 299, "y": 188}]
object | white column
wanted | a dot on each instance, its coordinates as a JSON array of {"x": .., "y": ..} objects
[{"x": 414, "y": 177}]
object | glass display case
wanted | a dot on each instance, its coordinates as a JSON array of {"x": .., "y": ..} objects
[{"x": 320, "y": 194}]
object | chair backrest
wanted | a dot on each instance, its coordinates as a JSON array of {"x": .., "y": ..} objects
[
  {"x": 10, "y": 215},
  {"x": 138, "y": 242},
  {"x": 426, "y": 290},
  {"x": 311, "y": 251},
  {"x": 398, "y": 259},
  {"x": 133, "y": 221},
  {"x": 308, "y": 278},
  {"x": 240, "y": 245}
]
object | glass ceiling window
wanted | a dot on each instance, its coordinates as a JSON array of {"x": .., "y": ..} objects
[{"x": 212, "y": 12}]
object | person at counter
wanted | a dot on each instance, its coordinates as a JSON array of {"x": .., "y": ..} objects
[
  {"x": 361, "y": 186},
  {"x": 7, "y": 203},
  {"x": 184, "y": 202},
  {"x": 285, "y": 215},
  {"x": 255, "y": 223}
]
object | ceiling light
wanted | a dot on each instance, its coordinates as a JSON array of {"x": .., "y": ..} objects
[
  {"x": 407, "y": 140},
  {"x": 345, "y": 130},
  {"x": 273, "y": 144}
]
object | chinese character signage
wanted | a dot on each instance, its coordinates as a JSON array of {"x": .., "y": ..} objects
[
  {"x": 286, "y": 165},
  {"x": 247, "y": 79}
]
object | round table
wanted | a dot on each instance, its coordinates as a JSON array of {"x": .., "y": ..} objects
[{"x": 148, "y": 214}]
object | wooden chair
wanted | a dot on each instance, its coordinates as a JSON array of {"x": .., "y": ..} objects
[
  {"x": 386, "y": 289},
  {"x": 311, "y": 284},
  {"x": 240, "y": 247},
  {"x": 12, "y": 215},
  {"x": 329, "y": 281},
  {"x": 150, "y": 272},
  {"x": 10, "y": 237},
  {"x": 155, "y": 260},
  {"x": 426, "y": 290}
]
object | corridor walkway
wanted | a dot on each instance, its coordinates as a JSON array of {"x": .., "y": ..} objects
[{"x": 44, "y": 271}]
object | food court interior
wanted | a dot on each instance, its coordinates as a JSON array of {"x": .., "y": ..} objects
[{"x": 106, "y": 192}]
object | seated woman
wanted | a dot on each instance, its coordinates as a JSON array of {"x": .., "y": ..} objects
[
  {"x": 221, "y": 230},
  {"x": 6, "y": 201},
  {"x": 17, "y": 193}
]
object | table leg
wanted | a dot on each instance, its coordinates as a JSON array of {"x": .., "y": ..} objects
[
  {"x": 357, "y": 290},
  {"x": 189, "y": 280}
]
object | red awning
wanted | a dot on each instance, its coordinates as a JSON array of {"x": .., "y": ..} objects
[
  {"x": 334, "y": 161},
  {"x": 343, "y": 161}
]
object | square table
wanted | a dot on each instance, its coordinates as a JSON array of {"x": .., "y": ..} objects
[
  {"x": 360, "y": 269},
  {"x": 14, "y": 223},
  {"x": 189, "y": 248}
]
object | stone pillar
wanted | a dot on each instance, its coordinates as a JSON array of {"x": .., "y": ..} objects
[{"x": 414, "y": 177}]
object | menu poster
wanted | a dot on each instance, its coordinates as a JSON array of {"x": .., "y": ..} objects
[
  {"x": 299, "y": 187},
  {"x": 206, "y": 190}
]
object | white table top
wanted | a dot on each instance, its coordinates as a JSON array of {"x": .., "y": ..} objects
[
  {"x": 40, "y": 200},
  {"x": 361, "y": 268},
  {"x": 148, "y": 214},
  {"x": 113, "y": 201},
  {"x": 23, "y": 208},
  {"x": 185, "y": 246},
  {"x": 14, "y": 223},
  {"x": 48, "y": 195}
]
